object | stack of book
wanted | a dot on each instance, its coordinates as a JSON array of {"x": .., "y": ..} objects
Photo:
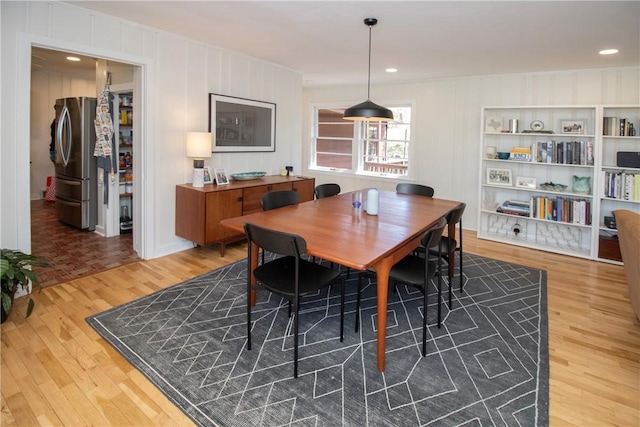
[
  {"x": 515, "y": 207},
  {"x": 621, "y": 185}
]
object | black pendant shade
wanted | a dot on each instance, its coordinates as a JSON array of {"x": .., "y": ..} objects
[{"x": 368, "y": 110}]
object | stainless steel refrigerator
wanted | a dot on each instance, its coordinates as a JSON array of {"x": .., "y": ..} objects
[{"x": 76, "y": 166}]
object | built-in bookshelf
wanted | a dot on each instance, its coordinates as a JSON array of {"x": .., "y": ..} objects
[
  {"x": 619, "y": 178},
  {"x": 551, "y": 177},
  {"x": 548, "y": 154}
]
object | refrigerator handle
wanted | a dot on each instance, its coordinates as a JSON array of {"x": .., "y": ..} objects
[
  {"x": 69, "y": 182},
  {"x": 64, "y": 147}
]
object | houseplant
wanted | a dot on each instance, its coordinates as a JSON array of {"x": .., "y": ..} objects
[{"x": 15, "y": 272}]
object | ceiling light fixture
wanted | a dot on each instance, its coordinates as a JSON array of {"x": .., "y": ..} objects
[
  {"x": 73, "y": 58},
  {"x": 391, "y": 70},
  {"x": 608, "y": 51},
  {"x": 368, "y": 110}
]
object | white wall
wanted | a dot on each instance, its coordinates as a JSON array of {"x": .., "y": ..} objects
[
  {"x": 447, "y": 120},
  {"x": 176, "y": 76},
  {"x": 46, "y": 87}
]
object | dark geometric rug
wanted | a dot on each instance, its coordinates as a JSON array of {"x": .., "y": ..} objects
[{"x": 487, "y": 366}]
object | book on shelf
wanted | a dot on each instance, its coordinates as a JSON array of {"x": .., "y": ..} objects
[
  {"x": 561, "y": 209},
  {"x": 614, "y": 126},
  {"x": 563, "y": 152},
  {"x": 621, "y": 185},
  {"x": 515, "y": 207}
]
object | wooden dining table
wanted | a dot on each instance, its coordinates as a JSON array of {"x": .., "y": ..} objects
[{"x": 337, "y": 232}]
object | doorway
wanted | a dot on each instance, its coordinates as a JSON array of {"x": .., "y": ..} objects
[{"x": 72, "y": 252}]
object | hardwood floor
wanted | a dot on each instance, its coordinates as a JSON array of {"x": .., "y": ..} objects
[{"x": 57, "y": 371}]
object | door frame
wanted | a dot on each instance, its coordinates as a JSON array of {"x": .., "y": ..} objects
[{"x": 143, "y": 236}]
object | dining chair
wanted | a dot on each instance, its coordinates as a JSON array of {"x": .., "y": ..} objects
[
  {"x": 449, "y": 246},
  {"x": 417, "y": 271},
  {"x": 416, "y": 189},
  {"x": 326, "y": 190},
  {"x": 289, "y": 276},
  {"x": 278, "y": 199}
]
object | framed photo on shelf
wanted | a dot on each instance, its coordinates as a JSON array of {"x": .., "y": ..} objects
[
  {"x": 499, "y": 176},
  {"x": 573, "y": 126},
  {"x": 207, "y": 175},
  {"x": 526, "y": 182},
  {"x": 241, "y": 125},
  {"x": 221, "y": 176}
]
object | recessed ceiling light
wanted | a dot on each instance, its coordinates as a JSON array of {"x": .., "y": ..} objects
[
  {"x": 73, "y": 58},
  {"x": 608, "y": 51},
  {"x": 391, "y": 70}
]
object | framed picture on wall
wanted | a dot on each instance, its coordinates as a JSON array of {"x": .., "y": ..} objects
[{"x": 241, "y": 125}]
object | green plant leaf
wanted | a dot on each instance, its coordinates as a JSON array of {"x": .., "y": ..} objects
[
  {"x": 6, "y": 302},
  {"x": 30, "y": 305}
]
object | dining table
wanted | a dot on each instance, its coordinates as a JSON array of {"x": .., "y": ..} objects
[{"x": 338, "y": 232}]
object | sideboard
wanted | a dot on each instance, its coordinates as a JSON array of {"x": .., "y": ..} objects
[{"x": 200, "y": 210}]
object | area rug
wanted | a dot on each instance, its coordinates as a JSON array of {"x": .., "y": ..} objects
[{"x": 487, "y": 365}]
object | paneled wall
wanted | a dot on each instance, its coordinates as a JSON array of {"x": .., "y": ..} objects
[
  {"x": 176, "y": 76},
  {"x": 446, "y": 134}
]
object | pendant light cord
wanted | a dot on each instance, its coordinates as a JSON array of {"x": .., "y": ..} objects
[{"x": 369, "y": 73}]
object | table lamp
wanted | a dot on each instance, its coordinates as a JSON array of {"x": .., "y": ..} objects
[{"x": 198, "y": 147}]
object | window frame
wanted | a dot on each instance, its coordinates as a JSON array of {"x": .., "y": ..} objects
[{"x": 358, "y": 143}]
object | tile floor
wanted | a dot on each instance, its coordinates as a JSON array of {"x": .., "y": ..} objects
[{"x": 73, "y": 253}]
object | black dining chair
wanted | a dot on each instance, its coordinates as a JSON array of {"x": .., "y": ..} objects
[
  {"x": 415, "y": 189},
  {"x": 326, "y": 190},
  {"x": 417, "y": 271},
  {"x": 289, "y": 276},
  {"x": 278, "y": 199},
  {"x": 449, "y": 246}
]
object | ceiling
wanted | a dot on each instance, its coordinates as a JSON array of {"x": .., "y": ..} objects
[{"x": 328, "y": 42}]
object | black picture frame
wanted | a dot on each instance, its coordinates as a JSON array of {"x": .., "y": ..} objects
[{"x": 241, "y": 125}]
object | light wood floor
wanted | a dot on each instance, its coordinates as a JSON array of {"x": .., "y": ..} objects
[{"x": 57, "y": 371}]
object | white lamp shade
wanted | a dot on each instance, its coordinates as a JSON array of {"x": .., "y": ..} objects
[{"x": 199, "y": 144}]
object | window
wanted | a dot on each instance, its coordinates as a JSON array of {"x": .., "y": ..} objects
[{"x": 373, "y": 148}]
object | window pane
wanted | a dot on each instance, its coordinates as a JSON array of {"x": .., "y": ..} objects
[
  {"x": 386, "y": 146},
  {"x": 334, "y": 139}
]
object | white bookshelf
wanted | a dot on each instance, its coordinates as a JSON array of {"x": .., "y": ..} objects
[
  {"x": 609, "y": 201},
  {"x": 567, "y": 151}
]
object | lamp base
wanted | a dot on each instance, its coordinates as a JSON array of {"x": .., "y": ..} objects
[{"x": 198, "y": 177}]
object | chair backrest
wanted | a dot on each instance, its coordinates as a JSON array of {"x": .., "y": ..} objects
[
  {"x": 278, "y": 199},
  {"x": 275, "y": 241},
  {"x": 432, "y": 236},
  {"x": 327, "y": 190},
  {"x": 455, "y": 216},
  {"x": 415, "y": 189}
]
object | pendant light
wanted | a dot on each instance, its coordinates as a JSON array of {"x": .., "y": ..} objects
[{"x": 368, "y": 110}]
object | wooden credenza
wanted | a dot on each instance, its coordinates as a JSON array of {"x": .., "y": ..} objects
[{"x": 200, "y": 210}]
